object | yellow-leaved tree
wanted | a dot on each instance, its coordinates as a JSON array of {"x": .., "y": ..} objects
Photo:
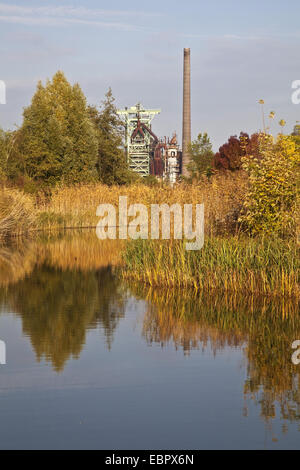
[{"x": 271, "y": 204}]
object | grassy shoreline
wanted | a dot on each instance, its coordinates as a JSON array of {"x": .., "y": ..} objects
[
  {"x": 75, "y": 206},
  {"x": 236, "y": 264},
  {"x": 229, "y": 261}
]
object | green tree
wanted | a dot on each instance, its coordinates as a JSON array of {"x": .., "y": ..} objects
[
  {"x": 201, "y": 156},
  {"x": 112, "y": 166},
  {"x": 14, "y": 164},
  {"x": 58, "y": 142},
  {"x": 8, "y": 155}
]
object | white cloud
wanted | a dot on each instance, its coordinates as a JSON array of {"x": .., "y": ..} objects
[
  {"x": 52, "y": 21},
  {"x": 64, "y": 15},
  {"x": 70, "y": 11}
]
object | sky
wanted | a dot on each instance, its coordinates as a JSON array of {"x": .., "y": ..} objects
[{"x": 240, "y": 52}]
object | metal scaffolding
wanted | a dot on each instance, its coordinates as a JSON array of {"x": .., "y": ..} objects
[{"x": 139, "y": 138}]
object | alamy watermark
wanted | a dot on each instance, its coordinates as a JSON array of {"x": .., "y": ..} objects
[
  {"x": 296, "y": 355},
  {"x": 2, "y": 353},
  {"x": 2, "y": 92},
  {"x": 147, "y": 226},
  {"x": 296, "y": 94}
]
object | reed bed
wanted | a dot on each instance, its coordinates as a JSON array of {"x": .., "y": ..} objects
[
  {"x": 228, "y": 261},
  {"x": 76, "y": 206},
  {"x": 17, "y": 213},
  {"x": 261, "y": 266}
]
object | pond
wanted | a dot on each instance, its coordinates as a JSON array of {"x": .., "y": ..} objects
[{"x": 94, "y": 362}]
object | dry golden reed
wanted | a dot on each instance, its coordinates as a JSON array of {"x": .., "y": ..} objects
[
  {"x": 17, "y": 214},
  {"x": 76, "y": 206}
]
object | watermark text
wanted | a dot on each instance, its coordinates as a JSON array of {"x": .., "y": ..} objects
[
  {"x": 2, "y": 92},
  {"x": 296, "y": 94},
  {"x": 2, "y": 352},
  {"x": 143, "y": 225}
]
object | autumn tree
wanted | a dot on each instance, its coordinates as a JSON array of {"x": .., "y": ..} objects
[
  {"x": 230, "y": 154},
  {"x": 271, "y": 201}
]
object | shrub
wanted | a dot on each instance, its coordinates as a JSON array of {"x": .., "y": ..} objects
[{"x": 271, "y": 201}]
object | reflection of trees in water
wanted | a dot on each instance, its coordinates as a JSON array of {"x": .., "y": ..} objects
[
  {"x": 112, "y": 305},
  {"x": 266, "y": 328},
  {"x": 58, "y": 307},
  {"x": 61, "y": 287}
]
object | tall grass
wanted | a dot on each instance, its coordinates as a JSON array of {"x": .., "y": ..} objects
[
  {"x": 17, "y": 213},
  {"x": 264, "y": 266},
  {"x": 227, "y": 261},
  {"x": 76, "y": 206}
]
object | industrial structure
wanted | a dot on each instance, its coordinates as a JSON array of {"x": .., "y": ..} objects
[
  {"x": 166, "y": 163},
  {"x": 140, "y": 141},
  {"x": 146, "y": 154},
  {"x": 186, "y": 113}
]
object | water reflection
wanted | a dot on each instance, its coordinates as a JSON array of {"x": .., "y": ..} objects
[
  {"x": 66, "y": 251},
  {"x": 61, "y": 287},
  {"x": 264, "y": 328}
]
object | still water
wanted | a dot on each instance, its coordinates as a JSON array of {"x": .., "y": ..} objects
[{"x": 98, "y": 363}]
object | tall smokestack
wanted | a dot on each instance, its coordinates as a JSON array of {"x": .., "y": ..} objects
[{"x": 186, "y": 118}]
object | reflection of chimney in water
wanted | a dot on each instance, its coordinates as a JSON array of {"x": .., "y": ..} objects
[{"x": 186, "y": 117}]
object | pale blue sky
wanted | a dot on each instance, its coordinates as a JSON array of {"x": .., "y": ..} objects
[{"x": 240, "y": 52}]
